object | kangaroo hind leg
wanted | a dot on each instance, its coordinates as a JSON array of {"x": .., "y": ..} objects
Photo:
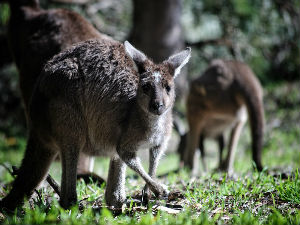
[
  {"x": 69, "y": 159},
  {"x": 234, "y": 138},
  {"x": 221, "y": 143},
  {"x": 34, "y": 168},
  {"x": 191, "y": 156}
]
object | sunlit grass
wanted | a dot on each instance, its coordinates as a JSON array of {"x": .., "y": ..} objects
[{"x": 248, "y": 197}]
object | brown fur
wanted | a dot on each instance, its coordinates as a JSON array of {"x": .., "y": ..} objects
[
  {"x": 216, "y": 103},
  {"x": 92, "y": 99},
  {"x": 36, "y": 35}
]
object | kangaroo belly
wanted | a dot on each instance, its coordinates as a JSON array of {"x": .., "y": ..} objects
[
  {"x": 218, "y": 123},
  {"x": 217, "y": 126},
  {"x": 103, "y": 136},
  {"x": 100, "y": 149}
]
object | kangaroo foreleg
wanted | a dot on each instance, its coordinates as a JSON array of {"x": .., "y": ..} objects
[
  {"x": 131, "y": 160},
  {"x": 154, "y": 157}
]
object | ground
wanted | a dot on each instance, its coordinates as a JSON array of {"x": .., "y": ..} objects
[{"x": 247, "y": 197}]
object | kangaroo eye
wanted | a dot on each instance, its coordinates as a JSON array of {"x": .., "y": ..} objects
[{"x": 168, "y": 88}]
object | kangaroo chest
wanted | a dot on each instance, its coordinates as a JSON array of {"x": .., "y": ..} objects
[
  {"x": 153, "y": 136},
  {"x": 104, "y": 140}
]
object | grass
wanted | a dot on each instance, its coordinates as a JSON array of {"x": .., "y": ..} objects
[
  {"x": 247, "y": 197},
  {"x": 256, "y": 198}
]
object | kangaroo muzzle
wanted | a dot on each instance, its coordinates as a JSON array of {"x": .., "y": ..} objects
[{"x": 156, "y": 107}]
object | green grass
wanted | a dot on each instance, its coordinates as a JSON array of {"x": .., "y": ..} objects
[
  {"x": 248, "y": 197},
  {"x": 256, "y": 198}
]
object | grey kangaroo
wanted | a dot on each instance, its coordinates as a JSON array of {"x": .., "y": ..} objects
[
  {"x": 219, "y": 100},
  {"x": 103, "y": 98},
  {"x": 35, "y": 35}
]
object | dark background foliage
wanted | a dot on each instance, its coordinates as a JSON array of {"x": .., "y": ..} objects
[{"x": 263, "y": 33}]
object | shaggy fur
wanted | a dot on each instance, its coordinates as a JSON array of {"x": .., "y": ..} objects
[
  {"x": 35, "y": 35},
  {"x": 99, "y": 98}
]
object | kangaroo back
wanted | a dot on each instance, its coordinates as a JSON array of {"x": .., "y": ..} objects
[
  {"x": 35, "y": 35},
  {"x": 251, "y": 91}
]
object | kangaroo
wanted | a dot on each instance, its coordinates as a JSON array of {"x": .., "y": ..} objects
[
  {"x": 102, "y": 98},
  {"x": 219, "y": 100},
  {"x": 35, "y": 35}
]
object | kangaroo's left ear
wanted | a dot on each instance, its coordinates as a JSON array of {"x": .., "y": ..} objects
[{"x": 178, "y": 60}]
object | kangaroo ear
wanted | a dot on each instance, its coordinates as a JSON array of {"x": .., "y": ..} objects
[
  {"x": 137, "y": 56},
  {"x": 178, "y": 60}
]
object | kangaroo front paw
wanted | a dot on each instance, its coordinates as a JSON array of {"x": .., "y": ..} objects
[{"x": 161, "y": 191}]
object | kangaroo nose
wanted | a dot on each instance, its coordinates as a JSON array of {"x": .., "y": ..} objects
[{"x": 158, "y": 105}]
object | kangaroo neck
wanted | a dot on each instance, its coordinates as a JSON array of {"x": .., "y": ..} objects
[{"x": 146, "y": 118}]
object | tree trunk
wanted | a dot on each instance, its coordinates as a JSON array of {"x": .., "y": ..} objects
[{"x": 157, "y": 32}]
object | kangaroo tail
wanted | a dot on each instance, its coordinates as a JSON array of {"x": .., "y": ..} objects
[{"x": 251, "y": 91}]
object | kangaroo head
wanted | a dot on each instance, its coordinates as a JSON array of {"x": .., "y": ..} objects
[{"x": 156, "y": 91}]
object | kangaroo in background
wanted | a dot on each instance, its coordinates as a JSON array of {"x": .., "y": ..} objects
[
  {"x": 102, "y": 98},
  {"x": 223, "y": 98},
  {"x": 35, "y": 35}
]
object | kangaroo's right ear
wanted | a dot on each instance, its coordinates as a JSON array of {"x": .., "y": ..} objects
[
  {"x": 137, "y": 56},
  {"x": 178, "y": 60}
]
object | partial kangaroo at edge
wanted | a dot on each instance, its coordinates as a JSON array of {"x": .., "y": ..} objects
[
  {"x": 35, "y": 35},
  {"x": 103, "y": 98},
  {"x": 219, "y": 100}
]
